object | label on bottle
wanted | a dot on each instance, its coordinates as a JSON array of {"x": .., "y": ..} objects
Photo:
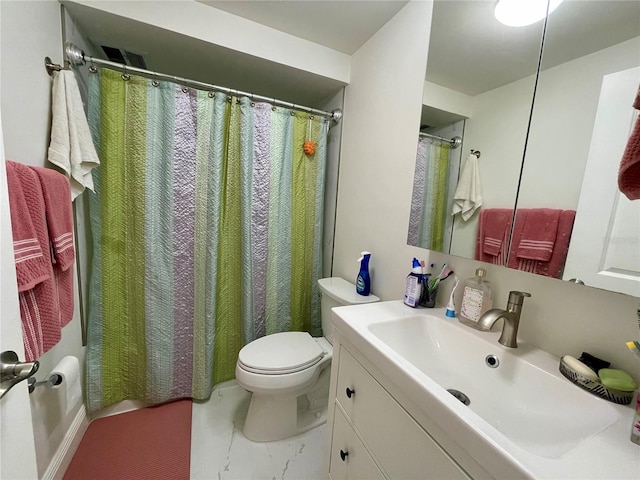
[
  {"x": 471, "y": 303},
  {"x": 360, "y": 286},
  {"x": 412, "y": 291}
]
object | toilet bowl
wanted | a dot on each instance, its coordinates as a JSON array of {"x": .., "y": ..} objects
[{"x": 288, "y": 373}]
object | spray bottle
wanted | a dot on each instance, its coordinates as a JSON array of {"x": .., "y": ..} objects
[
  {"x": 414, "y": 285},
  {"x": 363, "y": 282}
]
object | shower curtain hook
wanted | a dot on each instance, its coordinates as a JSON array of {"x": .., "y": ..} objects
[{"x": 125, "y": 75}]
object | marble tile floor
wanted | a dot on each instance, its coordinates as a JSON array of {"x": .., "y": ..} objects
[{"x": 219, "y": 450}]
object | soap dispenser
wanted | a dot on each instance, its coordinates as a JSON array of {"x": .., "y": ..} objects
[
  {"x": 477, "y": 298},
  {"x": 363, "y": 282}
]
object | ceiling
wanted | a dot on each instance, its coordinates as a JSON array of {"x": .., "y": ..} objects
[
  {"x": 343, "y": 25},
  {"x": 469, "y": 50}
]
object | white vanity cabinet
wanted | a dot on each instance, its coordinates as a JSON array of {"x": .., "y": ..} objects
[{"x": 372, "y": 436}]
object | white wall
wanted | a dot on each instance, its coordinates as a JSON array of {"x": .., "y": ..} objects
[
  {"x": 334, "y": 140},
  {"x": 446, "y": 99},
  {"x": 218, "y": 27},
  {"x": 31, "y": 31},
  {"x": 382, "y": 115}
]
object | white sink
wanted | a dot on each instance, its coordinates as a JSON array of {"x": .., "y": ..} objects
[
  {"x": 536, "y": 408},
  {"x": 524, "y": 418}
]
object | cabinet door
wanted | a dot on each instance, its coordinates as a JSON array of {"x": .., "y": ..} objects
[
  {"x": 349, "y": 457},
  {"x": 400, "y": 446}
]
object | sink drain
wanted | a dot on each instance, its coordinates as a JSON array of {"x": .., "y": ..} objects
[
  {"x": 492, "y": 361},
  {"x": 459, "y": 395}
]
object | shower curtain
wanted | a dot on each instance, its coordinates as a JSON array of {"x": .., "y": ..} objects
[
  {"x": 429, "y": 199},
  {"x": 206, "y": 224}
]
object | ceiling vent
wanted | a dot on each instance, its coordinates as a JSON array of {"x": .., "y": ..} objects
[{"x": 125, "y": 57}]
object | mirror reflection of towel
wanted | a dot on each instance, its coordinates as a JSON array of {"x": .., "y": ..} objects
[
  {"x": 555, "y": 264},
  {"x": 494, "y": 225},
  {"x": 629, "y": 173},
  {"x": 468, "y": 196},
  {"x": 538, "y": 233}
]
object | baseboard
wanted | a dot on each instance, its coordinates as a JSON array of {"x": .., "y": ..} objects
[
  {"x": 121, "y": 407},
  {"x": 61, "y": 460}
]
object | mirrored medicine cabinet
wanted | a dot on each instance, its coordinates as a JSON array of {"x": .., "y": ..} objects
[{"x": 535, "y": 101}]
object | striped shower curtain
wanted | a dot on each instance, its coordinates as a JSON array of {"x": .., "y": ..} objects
[
  {"x": 429, "y": 200},
  {"x": 206, "y": 224}
]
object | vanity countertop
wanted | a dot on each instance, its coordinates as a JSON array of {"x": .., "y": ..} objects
[{"x": 525, "y": 420}]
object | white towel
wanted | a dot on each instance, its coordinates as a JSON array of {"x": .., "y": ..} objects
[
  {"x": 468, "y": 196},
  {"x": 71, "y": 146}
]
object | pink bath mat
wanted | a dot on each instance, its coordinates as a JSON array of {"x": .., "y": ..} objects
[{"x": 151, "y": 444}]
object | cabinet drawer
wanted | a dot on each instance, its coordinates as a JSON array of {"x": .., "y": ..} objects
[
  {"x": 349, "y": 457},
  {"x": 401, "y": 447}
]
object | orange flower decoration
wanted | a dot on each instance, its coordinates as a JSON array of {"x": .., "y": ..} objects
[{"x": 309, "y": 147}]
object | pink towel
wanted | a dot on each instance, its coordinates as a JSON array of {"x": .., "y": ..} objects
[
  {"x": 538, "y": 234},
  {"x": 629, "y": 173},
  {"x": 493, "y": 231},
  {"x": 39, "y": 306},
  {"x": 57, "y": 201},
  {"x": 32, "y": 267},
  {"x": 555, "y": 265}
]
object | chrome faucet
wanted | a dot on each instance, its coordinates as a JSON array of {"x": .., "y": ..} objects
[{"x": 511, "y": 318}]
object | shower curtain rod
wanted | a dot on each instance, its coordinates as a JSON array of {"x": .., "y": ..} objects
[
  {"x": 455, "y": 142},
  {"x": 76, "y": 56}
]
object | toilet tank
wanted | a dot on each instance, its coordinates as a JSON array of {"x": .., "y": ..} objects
[{"x": 337, "y": 292}]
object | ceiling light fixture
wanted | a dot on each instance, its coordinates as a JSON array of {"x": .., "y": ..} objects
[{"x": 518, "y": 13}]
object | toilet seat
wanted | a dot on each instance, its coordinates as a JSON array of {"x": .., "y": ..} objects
[{"x": 280, "y": 353}]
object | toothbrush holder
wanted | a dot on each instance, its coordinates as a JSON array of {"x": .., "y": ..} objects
[{"x": 429, "y": 299}]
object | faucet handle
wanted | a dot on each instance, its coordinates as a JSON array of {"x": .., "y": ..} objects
[{"x": 517, "y": 298}]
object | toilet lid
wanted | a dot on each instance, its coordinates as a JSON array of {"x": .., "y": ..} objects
[{"x": 285, "y": 352}]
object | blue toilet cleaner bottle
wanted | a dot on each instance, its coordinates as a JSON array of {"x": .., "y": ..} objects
[
  {"x": 414, "y": 285},
  {"x": 363, "y": 282}
]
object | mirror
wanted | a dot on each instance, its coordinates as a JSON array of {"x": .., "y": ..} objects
[
  {"x": 475, "y": 69},
  {"x": 584, "y": 42},
  {"x": 582, "y": 118}
]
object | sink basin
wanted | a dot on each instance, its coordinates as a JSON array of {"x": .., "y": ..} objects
[{"x": 516, "y": 392}]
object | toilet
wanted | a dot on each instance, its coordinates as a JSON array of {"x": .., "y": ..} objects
[{"x": 288, "y": 373}]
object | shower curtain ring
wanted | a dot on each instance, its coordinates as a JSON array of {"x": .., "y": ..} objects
[
  {"x": 92, "y": 67},
  {"x": 125, "y": 75}
]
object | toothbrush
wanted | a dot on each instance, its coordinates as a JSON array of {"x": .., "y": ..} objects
[
  {"x": 435, "y": 281},
  {"x": 451, "y": 307},
  {"x": 443, "y": 276},
  {"x": 635, "y": 348}
]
